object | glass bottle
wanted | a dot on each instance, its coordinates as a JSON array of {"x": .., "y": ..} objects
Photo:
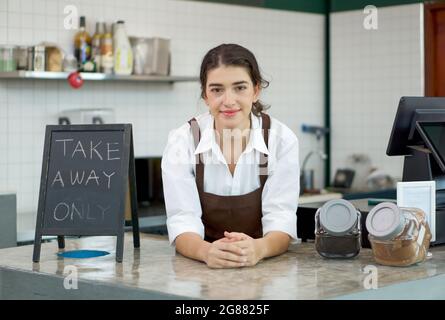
[
  {"x": 82, "y": 45},
  {"x": 337, "y": 230},
  {"x": 399, "y": 236},
  {"x": 96, "y": 45},
  {"x": 123, "y": 53},
  {"x": 106, "y": 51}
]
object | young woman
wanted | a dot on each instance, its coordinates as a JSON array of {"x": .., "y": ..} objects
[{"x": 231, "y": 175}]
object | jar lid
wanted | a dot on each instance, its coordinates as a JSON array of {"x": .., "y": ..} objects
[
  {"x": 338, "y": 217},
  {"x": 385, "y": 221}
]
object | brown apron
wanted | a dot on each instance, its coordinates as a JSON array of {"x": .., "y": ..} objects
[{"x": 240, "y": 213}]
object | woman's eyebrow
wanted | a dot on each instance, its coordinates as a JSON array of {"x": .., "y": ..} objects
[{"x": 233, "y": 84}]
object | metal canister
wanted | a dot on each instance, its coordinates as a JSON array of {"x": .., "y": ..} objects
[
  {"x": 30, "y": 65},
  {"x": 22, "y": 58},
  {"x": 39, "y": 58}
]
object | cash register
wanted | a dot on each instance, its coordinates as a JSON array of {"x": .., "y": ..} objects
[{"x": 418, "y": 134}]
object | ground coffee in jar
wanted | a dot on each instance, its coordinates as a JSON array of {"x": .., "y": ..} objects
[
  {"x": 337, "y": 230},
  {"x": 399, "y": 236}
]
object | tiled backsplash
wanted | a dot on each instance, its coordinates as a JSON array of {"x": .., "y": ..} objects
[
  {"x": 371, "y": 70},
  {"x": 288, "y": 45}
]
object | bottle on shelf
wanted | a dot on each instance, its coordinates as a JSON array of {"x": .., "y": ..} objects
[
  {"x": 106, "y": 51},
  {"x": 82, "y": 46},
  {"x": 96, "y": 45},
  {"x": 123, "y": 53}
]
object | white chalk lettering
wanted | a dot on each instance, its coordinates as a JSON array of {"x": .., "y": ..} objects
[
  {"x": 67, "y": 211},
  {"x": 74, "y": 208},
  {"x": 88, "y": 214},
  {"x": 79, "y": 211},
  {"x": 102, "y": 209},
  {"x": 64, "y": 144},
  {"x": 79, "y": 148},
  {"x": 58, "y": 178},
  {"x": 109, "y": 177},
  {"x": 90, "y": 149},
  {"x": 92, "y": 176},
  {"x": 111, "y": 150},
  {"x": 82, "y": 177},
  {"x": 76, "y": 178},
  {"x": 94, "y": 149}
]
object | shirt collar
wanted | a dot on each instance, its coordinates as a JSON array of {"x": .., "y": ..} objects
[
  {"x": 256, "y": 140},
  {"x": 208, "y": 141}
]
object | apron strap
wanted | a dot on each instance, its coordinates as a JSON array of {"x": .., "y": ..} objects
[
  {"x": 200, "y": 165},
  {"x": 263, "y": 157}
]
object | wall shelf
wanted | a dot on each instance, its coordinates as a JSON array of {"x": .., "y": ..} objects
[{"x": 45, "y": 75}]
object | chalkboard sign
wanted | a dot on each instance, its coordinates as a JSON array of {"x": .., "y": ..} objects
[{"x": 86, "y": 173}]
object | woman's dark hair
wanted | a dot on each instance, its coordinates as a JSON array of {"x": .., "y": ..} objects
[{"x": 233, "y": 55}]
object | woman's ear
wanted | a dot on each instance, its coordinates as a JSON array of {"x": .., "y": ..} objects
[
  {"x": 204, "y": 97},
  {"x": 257, "y": 91}
]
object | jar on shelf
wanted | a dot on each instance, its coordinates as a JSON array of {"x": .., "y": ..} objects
[
  {"x": 337, "y": 230},
  {"x": 22, "y": 58},
  {"x": 8, "y": 58},
  {"x": 399, "y": 236}
]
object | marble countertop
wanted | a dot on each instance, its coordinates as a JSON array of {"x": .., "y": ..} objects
[{"x": 298, "y": 274}]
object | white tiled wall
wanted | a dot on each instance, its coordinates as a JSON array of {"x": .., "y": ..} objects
[
  {"x": 288, "y": 45},
  {"x": 371, "y": 70}
]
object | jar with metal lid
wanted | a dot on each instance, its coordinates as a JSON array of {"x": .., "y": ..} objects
[
  {"x": 399, "y": 236},
  {"x": 337, "y": 230}
]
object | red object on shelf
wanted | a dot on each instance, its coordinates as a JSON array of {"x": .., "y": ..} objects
[{"x": 75, "y": 80}]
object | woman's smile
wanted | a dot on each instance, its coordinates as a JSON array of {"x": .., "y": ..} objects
[{"x": 230, "y": 113}]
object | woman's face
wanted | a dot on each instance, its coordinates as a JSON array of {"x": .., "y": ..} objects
[{"x": 230, "y": 93}]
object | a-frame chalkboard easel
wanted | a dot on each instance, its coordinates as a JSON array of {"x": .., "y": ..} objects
[{"x": 60, "y": 160}]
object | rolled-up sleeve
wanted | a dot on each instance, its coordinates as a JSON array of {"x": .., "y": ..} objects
[
  {"x": 180, "y": 192},
  {"x": 281, "y": 191}
]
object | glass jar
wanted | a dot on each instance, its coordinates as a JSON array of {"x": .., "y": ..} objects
[
  {"x": 337, "y": 230},
  {"x": 7, "y": 58},
  {"x": 39, "y": 58},
  {"x": 399, "y": 236}
]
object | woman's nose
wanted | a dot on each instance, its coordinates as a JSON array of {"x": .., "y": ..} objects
[{"x": 228, "y": 98}]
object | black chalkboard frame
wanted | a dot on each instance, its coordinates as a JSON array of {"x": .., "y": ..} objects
[{"x": 128, "y": 183}]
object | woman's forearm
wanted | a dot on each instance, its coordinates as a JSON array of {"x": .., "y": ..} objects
[
  {"x": 272, "y": 244},
  {"x": 191, "y": 245}
]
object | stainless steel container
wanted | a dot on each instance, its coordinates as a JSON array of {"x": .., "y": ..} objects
[
  {"x": 22, "y": 58},
  {"x": 30, "y": 65},
  {"x": 151, "y": 56}
]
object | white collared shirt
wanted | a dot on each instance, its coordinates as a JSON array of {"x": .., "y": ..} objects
[{"x": 280, "y": 193}]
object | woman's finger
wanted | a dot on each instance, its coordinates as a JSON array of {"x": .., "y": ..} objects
[
  {"x": 238, "y": 235},
  {"x": 230, "y": 247},
  {"x": 225, "y": 255},
  {"x": 228, "y": 264},
  {"x": 243, "y": 244},
  {"x": 228, "y": 239}
]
